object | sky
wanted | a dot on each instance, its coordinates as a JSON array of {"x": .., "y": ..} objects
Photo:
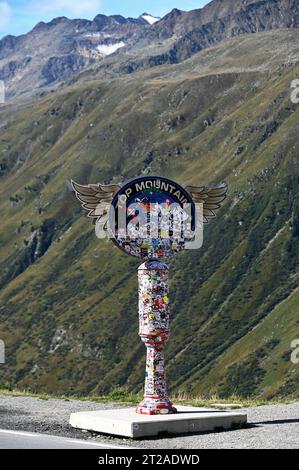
[{"x": 20, "y": 16}]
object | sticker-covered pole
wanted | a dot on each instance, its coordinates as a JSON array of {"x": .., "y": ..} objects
[{"x": 154, "y": 332}]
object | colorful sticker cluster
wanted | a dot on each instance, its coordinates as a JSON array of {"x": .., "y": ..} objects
[
  {"x": 153, "y": 302},
  {"x": 151, "y": 249},
  {"x": 157, "y": 224}
]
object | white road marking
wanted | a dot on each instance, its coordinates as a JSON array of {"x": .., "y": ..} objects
[
  {"x": 19, "y": 433},
  {"x": 99, "y": 445},
  {"x": 73, "y": 441}
]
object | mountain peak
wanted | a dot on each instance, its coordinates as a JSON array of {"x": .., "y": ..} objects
[{"x": 175, "y": 12}]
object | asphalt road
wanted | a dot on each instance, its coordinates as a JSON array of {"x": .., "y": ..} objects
[
  {"x": 25, "y": 440},
  {"x": 269, "y": 427}
]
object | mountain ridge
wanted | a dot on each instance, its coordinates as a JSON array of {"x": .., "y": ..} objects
[
  {"x": 190, "y": 32},
  {"x": 31, "y": 62},
  {"x": 72, "y": 46}
]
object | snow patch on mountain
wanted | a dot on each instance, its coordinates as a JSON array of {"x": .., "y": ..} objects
[
  {"x": 149, "y": 18},
  {"x": 107, "y": 49}
]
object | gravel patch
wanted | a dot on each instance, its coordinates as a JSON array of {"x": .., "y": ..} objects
[{"x": 269, "y": 427}]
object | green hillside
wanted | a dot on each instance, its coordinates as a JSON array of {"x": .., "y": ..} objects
[{"x": 68, "y": 305}]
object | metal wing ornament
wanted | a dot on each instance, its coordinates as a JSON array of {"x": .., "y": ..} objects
[
  {"x": 95, "y": 199},
  {"x": 210, "y": 197}
]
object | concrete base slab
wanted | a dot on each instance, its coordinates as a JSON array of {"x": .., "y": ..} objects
[{"x": 125, "y": 422}]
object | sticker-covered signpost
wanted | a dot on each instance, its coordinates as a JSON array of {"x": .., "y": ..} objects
[
  {"x": 154, "y": 332},
  {"x": 151, "y": 218}
]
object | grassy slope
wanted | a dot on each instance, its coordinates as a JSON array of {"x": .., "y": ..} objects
[
  {"x": 279, "y": 325},
  {"x": 234, "y": 301}
]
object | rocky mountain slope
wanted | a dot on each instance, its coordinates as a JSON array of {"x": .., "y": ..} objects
[
  {"x": 180, "y": 34},
  {"x": 59, "y": 50},
  {"x": 68, "y": 308}
]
